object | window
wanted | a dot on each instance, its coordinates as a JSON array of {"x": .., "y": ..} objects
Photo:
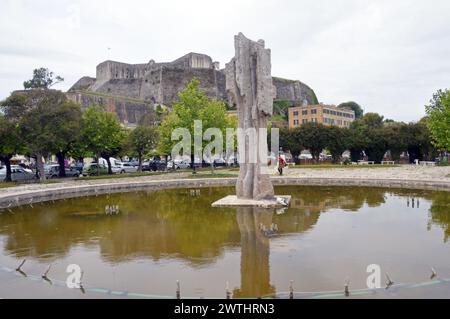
[
  {"x": 314, "y": 111},
  {"x": 296, "y": 113},
  {"x": 305, "y": 112},
  {"x": 296, "y": 122},
  {"x": 305, "y": 121}
]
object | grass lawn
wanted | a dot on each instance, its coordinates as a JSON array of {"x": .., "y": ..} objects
[
  {"x": 9, "y": 184},
  {"x": 118, "y": 176}
]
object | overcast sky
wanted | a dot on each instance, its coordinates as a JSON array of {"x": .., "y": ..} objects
[{"x": 389, "y": 56}]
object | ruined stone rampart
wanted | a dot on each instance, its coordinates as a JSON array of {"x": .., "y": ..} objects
[{"x": 159, "y": 83}]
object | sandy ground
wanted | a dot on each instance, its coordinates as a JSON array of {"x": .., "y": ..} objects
[{"x": 405, "y": 172}]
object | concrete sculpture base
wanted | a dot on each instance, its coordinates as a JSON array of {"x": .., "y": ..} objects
[{"x": 233, "y": 201}]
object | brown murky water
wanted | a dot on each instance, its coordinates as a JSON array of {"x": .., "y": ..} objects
[{"x": 153, "y": 239}]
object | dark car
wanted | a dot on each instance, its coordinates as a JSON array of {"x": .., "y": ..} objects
[
  {"x": 52, "y": 171},
  {"x": 78, "y": 167},
  {"x": 154, "y": 166}
]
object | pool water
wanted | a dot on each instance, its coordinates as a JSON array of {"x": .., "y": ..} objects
[{"x": 143, "y": 243}]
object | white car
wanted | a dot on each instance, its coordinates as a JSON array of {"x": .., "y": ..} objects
[
  {"x": 305, "y": 156},
  {"x": 179, "y": 164},
  {"x": 124, "y": 168},
  {"x": 17, "y": 174}
]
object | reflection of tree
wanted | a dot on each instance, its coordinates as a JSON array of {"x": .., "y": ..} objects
[
  {"x": 440, "y": 212},
  {"x": 152, "y": 224},
  {"x": 180, "y": 224},
  {"x": 172, "y": 222},
  {"x": 255, "y": 251},
  {"x": 320, "y": 199}
]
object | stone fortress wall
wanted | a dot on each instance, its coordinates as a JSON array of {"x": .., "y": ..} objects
[{"x": 155, "y": 83}]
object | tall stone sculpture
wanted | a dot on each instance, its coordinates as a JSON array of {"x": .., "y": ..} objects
[{"x": 250, "y": 86}]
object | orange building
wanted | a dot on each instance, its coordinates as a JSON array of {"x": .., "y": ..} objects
[{"x": 326, "y": 114}]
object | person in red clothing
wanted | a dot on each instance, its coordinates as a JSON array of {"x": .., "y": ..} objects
[{"x": 281, "y": 164}]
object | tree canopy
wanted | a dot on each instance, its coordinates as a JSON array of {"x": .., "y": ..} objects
[
  {"x": 142, "y": 140},
  {"x": 193, "y": 105},
  {"x": 42, "y": 79},
  {"x": 102, "y": 133},
  {"x": 439, "y": 119},
  {"x": 10, "y": 143},
  {"x": 353, "y": 106}
]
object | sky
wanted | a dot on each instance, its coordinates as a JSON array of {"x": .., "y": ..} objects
[{"x": 388, "y": 56}]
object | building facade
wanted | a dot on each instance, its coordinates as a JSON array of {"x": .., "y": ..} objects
[{"x": 325, "y": 114}]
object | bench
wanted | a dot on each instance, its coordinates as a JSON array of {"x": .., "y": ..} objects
[
  {"x": 425, "y": 163},
  {"x": 366, "y": 162}
]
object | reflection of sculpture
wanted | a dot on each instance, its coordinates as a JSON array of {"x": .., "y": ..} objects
[
  {"x": 255, "y": 251},
  {"x": 249, "y": 83}
]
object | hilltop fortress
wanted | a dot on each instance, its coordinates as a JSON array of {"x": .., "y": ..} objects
[{"x": 130, "y": 89}]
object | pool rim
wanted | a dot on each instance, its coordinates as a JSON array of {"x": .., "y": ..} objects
[{"x": 15, "y": 198}]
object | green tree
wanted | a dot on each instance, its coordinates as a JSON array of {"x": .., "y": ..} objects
[
  {"x": 192, "y": 105},
  {"x": 67, "y": 125},
  {"x": 50, "y": 127},
  {"x": 10, "y": 143},
  {"x": 337, "y": 141},
  {"x": 102, "y": 133},
  {"x": 314, "y": 138},
  {"x": 357, "y": 139},
  {"x": 16, "y": 105},
  {"x": 438, "y": 112},
  {"x": 142, "y": 140},
  {"x": 291, "y": 140},
  {"x": 373, "y": 120},
  {"x": 376, "y": 145},
  {"x": 396, "y": 139},
  {"x": 419, "y": 141},
  {"x": 353, "y": 106},
  {"x": 42, "y": 79}
]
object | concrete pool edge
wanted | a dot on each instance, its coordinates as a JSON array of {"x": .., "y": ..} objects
[{"x": 16, "y": 196}]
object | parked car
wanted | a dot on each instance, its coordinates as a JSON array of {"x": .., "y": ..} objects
[
  {"x": 17, "y": 174},
  {"x": 154, "y": 166},
  {"x": 305, "y": 157},
  {"x": 133, "y": 163},
  {"x": 123, "y": 168},
  {"x": 94, "y": 169},
  {"x": 52, "y": 171},
  {"x": 26, "y": 168},
  {"x": 178, "y": 164},
  {"x": 220, "y": 162},
  {"x": 78, "y": 167}
]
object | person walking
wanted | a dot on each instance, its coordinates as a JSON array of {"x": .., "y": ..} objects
[{"x": 281, "y": 164}]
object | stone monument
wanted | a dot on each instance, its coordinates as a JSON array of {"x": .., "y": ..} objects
[{"x": 250, "y": 87}]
